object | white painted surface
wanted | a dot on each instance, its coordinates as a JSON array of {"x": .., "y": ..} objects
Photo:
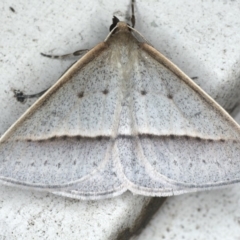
[
  {"x": 206, "y": 215},
  {"x": 202, "y": 38}
]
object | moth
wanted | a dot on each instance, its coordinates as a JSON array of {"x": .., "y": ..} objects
[{"x": 123, "y": 117}]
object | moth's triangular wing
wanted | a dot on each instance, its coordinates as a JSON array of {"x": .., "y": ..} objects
[
  {"x": 120, "y": 119},
  {"x": 181, "y": 138},
  {"x": 65, "y": 138}
]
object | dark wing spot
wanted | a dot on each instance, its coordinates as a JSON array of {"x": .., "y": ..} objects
[
  {"x": 12, "y": 9},
  {"x": 172, "y": 136},
  {"x": 99, "y": 138},
  {"x": 80, "y": 95},
  {"x": 186, "y": 137},
  {"x": 78, "y": 138},
  {"x": 45, "y": 163},
  {"x": 64, "y": 137},
  {"x": 52, "y": 138},
  {"x": 170, "y": 96},
  {"x": 143, "y": 92},
  {"x": 105, "y": 91}
]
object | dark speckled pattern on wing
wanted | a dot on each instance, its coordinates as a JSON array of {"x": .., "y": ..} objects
[{"x": 123, "y": 120}]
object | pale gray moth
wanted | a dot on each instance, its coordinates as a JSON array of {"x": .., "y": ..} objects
[{"x": 123, "y": 117}]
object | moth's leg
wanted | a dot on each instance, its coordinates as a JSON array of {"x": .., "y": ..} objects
[
  {"x": 21, "y": 97},
  {"x": 133, "y": 19},
  {"x": 74, "y": 54}
]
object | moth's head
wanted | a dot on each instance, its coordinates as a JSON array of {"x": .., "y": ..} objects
[{"x": 117, "y": 25}]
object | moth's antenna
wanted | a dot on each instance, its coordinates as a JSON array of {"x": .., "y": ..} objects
[{"x": 133, "y": 19}]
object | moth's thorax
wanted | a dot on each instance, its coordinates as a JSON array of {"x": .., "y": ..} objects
[
  {"x": 122, "y": 36},
  {"x": 123, "y": 54}
]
